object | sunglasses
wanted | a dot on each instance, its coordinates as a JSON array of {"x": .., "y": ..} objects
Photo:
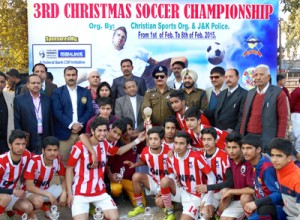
[
  {"x": 159, "y": 76},
  {"x": 214, "y": 77}
]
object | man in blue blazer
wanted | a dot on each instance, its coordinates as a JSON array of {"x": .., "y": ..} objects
[
  {"x": 32, "y": 114},
  {"x": 119, "y": 83},
  {"x": 72, "y": 108}
]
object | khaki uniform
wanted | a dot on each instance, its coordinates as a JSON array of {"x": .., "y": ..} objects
[
  {"x": 159, "y": 104},
  {"x": 196, "y": 98}
]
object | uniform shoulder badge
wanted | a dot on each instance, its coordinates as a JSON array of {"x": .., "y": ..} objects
[{"x": 151, "y": 90}]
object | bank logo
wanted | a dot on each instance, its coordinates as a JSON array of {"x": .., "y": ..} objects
[{"x": 252, "y": 46}]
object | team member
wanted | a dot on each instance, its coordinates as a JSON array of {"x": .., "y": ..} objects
[
  {"x": 155, "y": 157},
  {"x": 171, "y": 127},
  {"x": 86, "y": 184},
  {"x": 39, "y": 173},
  {"x": 12, "y": 165},
  {"x": 189, "y": 168},
  {"x": 288, "y": 175},
  {"x": 267, "y": 198},
  {"x": 193, "y": 122},
  {"x": 218, "y": 161}
]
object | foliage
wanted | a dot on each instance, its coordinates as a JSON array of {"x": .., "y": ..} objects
[{"x": 13, "y": 35}]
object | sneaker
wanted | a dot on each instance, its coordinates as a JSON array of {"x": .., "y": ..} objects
[
  {"x": 136, "y": 211},
  {"x": 170, "y": 216}
]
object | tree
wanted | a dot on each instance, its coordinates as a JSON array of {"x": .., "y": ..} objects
[
  {"x": 13, "y": 35},
  {"x": 292, "y": 27}
]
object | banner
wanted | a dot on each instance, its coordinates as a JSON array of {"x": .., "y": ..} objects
[{"x": 95, "y": 34}]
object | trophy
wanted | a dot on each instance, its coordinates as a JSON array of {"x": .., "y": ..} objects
[
  {"x": 54, "y": 213},
  {"x": 148, "y": 214},
  {"x": 121, "y": 174},
  {"x": 148, "y": 113},
  {"x": 24, "y": 216},
  {"x": 99, "y": 214}
]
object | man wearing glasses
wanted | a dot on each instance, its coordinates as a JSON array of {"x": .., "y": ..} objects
[{"x": 158, "y": 97}]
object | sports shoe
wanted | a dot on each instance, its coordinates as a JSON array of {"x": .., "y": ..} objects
[
  {"x": 170, "y": 216},
  {"x": 136, "y": 211}
]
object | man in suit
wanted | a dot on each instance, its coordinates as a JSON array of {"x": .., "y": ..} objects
[
  {"x": 230, "y": 104},
  {"x": 266, "y": 109},
  {"x": 130, "y": 104},
  {"x": 72, "y": 108},
  {"x": 47, "y": 87},
  {"x": 118, "y": 83},
  {"x": 6, "y": 114},
  {"x": 175, "y": 81},
  {"x": 33, "y": 115}
]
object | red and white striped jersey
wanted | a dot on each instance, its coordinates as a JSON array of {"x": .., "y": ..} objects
[
  {"x": 182, "y": 122},
  {"x": 169, "y": 145},
  {"x": 218, "y": 162},
  {"x": 189, "y": 169},
  {"x": 41, "y": 174},
  {"x": 197, "y": 140},
  {"x": 88, "y": 181},
  {"x": 10, "y": 173},
  {"x": 157, "y": 163}
]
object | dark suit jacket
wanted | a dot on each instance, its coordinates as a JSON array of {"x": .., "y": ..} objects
[
  {"x": 25, "y": 118},
  {"x": 229, "y": 110},
  {"x": 123, "y": 108},
  {"x": 62, "y": 110},
  {"x": 49, "y": 88},
  {"x": 118, "y": 86}
]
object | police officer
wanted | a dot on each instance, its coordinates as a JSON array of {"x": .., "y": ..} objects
[
  {"x": 157, "y": 98},
  {"x": 193, "y": 96}
]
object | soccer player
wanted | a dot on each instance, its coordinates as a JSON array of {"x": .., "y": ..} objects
[
  {"x": 86, "y": 184},
  {"x": 39, "y": 173},
  {"x": 218, "y": 161},
  {"x": 171, "y": 126},
  {"x": 155, "y": 156},
  {"x": 239, "y": 181},
  {"x": 267, "y": 198},
  {"x": 288, "y": 175},
  {"x": 12, "y": 164},
  {"x": 177, "y": 101},
  {"x": 193, "y": 122},
  {"x": 189, "y": 167}
]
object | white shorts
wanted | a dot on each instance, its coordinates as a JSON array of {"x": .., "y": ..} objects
[
  {"x": 234, "y": 210},
  {"x": 215, "y": 200},
  {"x": 81, "y": 204},
  {"x": 154, "y": 188},
  {"x": 54, "y": 189},
  {"x": 12, "y": 202}
]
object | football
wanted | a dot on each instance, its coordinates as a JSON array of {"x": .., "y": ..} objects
[{"x": 215, "y": 53}]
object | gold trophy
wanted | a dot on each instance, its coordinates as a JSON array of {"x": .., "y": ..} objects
[{"x": 148, "y": 113}]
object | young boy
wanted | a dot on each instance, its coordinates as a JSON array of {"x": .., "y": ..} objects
[
  {"x": 267, "y": 202},
  {"x": 39, "y": 173},
  {"x": 189, "y": 167},
  {"x": 155, "y": 156},
  {"x": 12, "y": 164},
  {"x": 193, "y": 122},
  {"x": 288, "y": 175},
  {"x": 171, "y": 126},
  {"x": 85, "y": 184}
]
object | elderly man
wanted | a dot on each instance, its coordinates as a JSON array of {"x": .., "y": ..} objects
[
  {"x": 193, "y": 96},
  {"x": 157, "y": 98},
  {"x": 265, "y": 110},
  {"x": 94, "y": 82}
]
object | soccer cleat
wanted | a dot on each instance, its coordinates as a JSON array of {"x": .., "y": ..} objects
[
  {"x": 136, "y": 211},
  {"x": 169, "y": 216}
]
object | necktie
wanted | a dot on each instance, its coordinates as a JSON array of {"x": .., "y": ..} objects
[{"x": 228, "y": 93}]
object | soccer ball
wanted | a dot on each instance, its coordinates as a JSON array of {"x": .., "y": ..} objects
[{"x": 215, "y": 53}]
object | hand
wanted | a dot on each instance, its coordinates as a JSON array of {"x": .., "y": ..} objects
[
  {"x": 76, "y": 127},
  {"x": 142, "y": 136},
  {"x": 95, "y": 160},
  {"x": 114, "y": 178},
  {"x": 19, "y": 193},
  {"x": 201, "y": 188},
  {"x": 52, "y": 199},
  {"x": 250, "y": 207},
  {"x": 63, "y": 198},
  {"x": 70, "y": 200},
  {"x": 129, "y": 163},
  {"x": 226, "y": 194}
]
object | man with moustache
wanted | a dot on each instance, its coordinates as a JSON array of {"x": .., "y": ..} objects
[
  {"x": 175, "y": 81},
  {"x": 193, "y": 96},
  {"x": 94, "y": 82},
  {"x": 72, "y": 108},
  {"x": 117, "y": 88},
  {"x": 230, "y": 104}
]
